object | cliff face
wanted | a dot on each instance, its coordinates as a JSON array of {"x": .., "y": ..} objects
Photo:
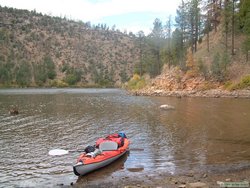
[{"x": 95, "y": 51}]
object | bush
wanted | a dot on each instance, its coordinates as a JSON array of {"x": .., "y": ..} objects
[
  {"x": 244, "y": 83},
  {"x": 228, "y": 85},
  {"x": 124, "y": 76},
  {"x": 71, "y": 79},
  {"x": 73, "y": 76},
  {"x": 5, "y": 74},
  {"x": 50, "y": 67},
  {"x": 40, "y": 74},
  {"x": 136, "y": 82},
  {"x": 203, "y": 68},
  {"x": 57, "y": 83},
  {"x": 23, "y": 74},
  {"x": 219, "y": 66},
  {"x": 44, "y": 71}
]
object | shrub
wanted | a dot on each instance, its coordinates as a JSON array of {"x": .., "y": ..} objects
[
  {"x": 244, "y": 83},
  {"x": 5, "y": 73},
  {"x": 228, "y": 85},
  {"x": 136, "y": 82},
  {"x": 40, "y": 74},
  {"x": 50, "y": 67},
  {"x": 57, "y": 83},
  {"x": 23, "y": 74},
  {"x": 70, "y": 79},
  {"x": 203, "y": 68},
  {"x": 73, "y": 76},
  {"x": 219, "y": 66}
]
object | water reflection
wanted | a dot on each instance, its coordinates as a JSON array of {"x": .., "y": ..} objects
[
  {"x": 199, "y": 135},
  {"x": 107, "y": 173}
]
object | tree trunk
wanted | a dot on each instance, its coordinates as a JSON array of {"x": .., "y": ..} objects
[
  {"x": 233, "y": 30},
  {"x": 196, "y": 32},
  {"x": 140, "y": 57},
  {"x": 208, "y": 41},
  {"x": 226, "y": 40},
  {"x": 215, "y": 15},
  {"x": 220, "y": 4},
  {"x": 226, "y": 23},
  {"x": 158, "y": 61}
]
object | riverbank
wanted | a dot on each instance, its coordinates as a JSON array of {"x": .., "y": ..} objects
[
  {"x": 189, "y": 180},
  {"x": 213, "y": 93},
  {"x": 176, "y": 83}
]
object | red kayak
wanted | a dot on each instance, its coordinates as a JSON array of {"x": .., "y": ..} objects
[{"x": 105, "y": 152}]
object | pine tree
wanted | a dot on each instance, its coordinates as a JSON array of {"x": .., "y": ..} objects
[
  {"x": 226, "y": 21},
  {"x": 157, "y": 38},
  {"x": 182, "y": 23},
  {"x": 193, "y": 23},
  {"x": 244, "y": 16},
  {"x": 167, "y": 51},
  {"x": 141, "y": 37}
]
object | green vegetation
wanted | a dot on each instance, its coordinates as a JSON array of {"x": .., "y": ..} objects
[
  {"x": 58, "y": 83},
  {"x": 6, "y": 76},
  {"x": 53, "y": 51},
  {"x": 219, "y": 67},
  {"x": 202, "y": 67},
  {"x": 58, "y": 49},
  {"x": 44, "y": 71},
  {"x": 196, "y": 23},
  {"x": 23, "y": 74},
  {"x": 72, "y": 76},
  {"x": 136, "y": 82},
  {"x": 243, "y": 84}
]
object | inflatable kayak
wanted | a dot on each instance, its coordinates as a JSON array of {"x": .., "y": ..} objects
[{"x": 106, "y": 151}]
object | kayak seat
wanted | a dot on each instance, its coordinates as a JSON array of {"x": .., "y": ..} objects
[{"x": 108, "y": 146}]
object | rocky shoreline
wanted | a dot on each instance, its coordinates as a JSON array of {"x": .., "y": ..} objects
[
  {"x": 188, "y": 180},
  {"x": 175, "y": 83},
  {"x": 194, "y": 180},
  {"x": 212, "y": 93}
]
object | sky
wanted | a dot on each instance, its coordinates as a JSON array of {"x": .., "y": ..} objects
[{"x": 129, "y": 15}]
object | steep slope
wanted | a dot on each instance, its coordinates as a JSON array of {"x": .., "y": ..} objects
[
  {"x": 97, "y": 52},
  {"x": 200, "y": 78}
]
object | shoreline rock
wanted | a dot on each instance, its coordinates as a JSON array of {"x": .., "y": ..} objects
[
  {"x": 166, "y": 107},
  {"x": 212, "y": 93}
]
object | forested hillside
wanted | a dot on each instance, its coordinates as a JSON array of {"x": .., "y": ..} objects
[
  {"x": 206, "y": 47},
  {"x": 39, "y": 50}
]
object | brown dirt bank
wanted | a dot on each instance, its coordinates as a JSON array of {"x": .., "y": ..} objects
[
  {"x": 174, "y": 82},
  {"x": 189, "y": 180}
]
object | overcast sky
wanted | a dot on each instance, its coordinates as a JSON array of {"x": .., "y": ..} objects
[{"x": 132, "y": 15}]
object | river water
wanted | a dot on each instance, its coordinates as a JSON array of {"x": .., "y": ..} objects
[{"x": 199, "y": 135}]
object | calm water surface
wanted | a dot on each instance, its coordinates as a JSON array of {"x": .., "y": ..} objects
[{"x": 200, "y": 135}]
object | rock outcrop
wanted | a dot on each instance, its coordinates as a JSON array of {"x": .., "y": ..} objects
[{"x": 173, "y": 82}]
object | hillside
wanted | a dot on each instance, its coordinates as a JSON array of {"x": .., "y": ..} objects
[
  {"x": 198, "y": 79},
  {"x": 39, "y": 50}
]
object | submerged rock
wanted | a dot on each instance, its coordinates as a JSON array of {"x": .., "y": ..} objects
[
  {"x": 166, "y": 107},
  {"x": 14, "y": 111},
  {"x": 197, "y": 185}
]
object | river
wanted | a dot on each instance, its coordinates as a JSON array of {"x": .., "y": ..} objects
[{"x": 199, "y": 135}]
